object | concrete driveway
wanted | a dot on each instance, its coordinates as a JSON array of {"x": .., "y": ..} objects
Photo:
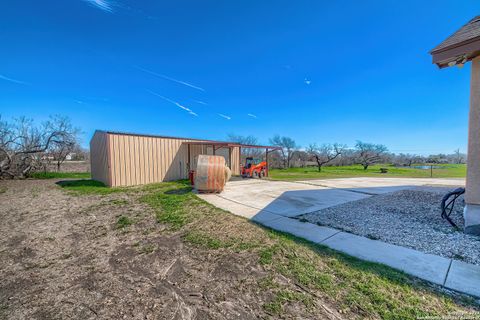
[
  {"x": 274, "y": 203},
  {"x": 250, "y": 197}
]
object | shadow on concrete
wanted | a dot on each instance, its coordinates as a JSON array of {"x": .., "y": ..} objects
[{"x": 276, "y": 198}]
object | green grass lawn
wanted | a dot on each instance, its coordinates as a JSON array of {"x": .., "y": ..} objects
[
  {"x": 446, "y": 171},
  {"x": 296, "y": 271},
  {"x": 60, "y": 175}
]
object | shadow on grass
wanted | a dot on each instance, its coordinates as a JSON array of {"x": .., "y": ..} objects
[
  {"x": 81, "y": 183},
  {"x": 180, "y": 191},
  {"x": 86, "y": 186},
  {"x": 60, "y": 175}
]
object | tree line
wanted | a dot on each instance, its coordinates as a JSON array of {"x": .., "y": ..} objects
[
  {"x": 26, "y": 147},
  {"x": 325, "y": 154}
]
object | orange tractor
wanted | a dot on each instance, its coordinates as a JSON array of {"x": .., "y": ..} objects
[{"x": 254, "y": 168}]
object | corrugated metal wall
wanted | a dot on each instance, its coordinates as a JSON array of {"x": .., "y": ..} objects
[
  {"x": 99, "y": 157},
  {"x": 135, "y": 159},
  {"x": 235, "y": 166}
]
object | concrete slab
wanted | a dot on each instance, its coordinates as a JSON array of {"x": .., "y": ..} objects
[
  {"x": 248, "y": 197},
  {"x": 305, "y": 230},
  {"x": 234, "y": 207},
  {"x": 425, "y": 266},
  {"x": 383, "y": 185},
  {"x": 287, "y": 198},
  {"x": 464, "y": 277}
]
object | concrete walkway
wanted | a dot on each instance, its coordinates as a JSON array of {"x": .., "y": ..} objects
[{"x": 274, "y": 203}]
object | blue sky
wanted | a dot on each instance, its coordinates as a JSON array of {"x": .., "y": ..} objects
[{"x": 318, "y": 71}]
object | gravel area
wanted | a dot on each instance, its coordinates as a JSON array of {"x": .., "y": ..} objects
[{"x": 409, "y": 218}]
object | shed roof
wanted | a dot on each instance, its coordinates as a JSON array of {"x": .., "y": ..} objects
[
  {"x": 230, "y": 144},
  {"x": 463, "y": 45},
  {"x": 194, "y": 141}
]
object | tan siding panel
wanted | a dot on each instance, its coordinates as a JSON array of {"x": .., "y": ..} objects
[
  {"x": 151, "y": 150},
  {"x": 126, "y": 147},
  {"x": 150, "y": 160},
  {"x": 119, "y": 164},
  {"x": 121, "y": 159},
  {"x": 146, "y": 152},
  {"x": 113, "y": 152},
  {"x": 235, "y": 161},
  {"x": 141, "y": 157},
  {"x": 113, "y": 162},
  {"x": 136, "y": 160},
  {"x": 131, "y": 162},
  {"x": 159, "y": 159},
  {"x": 164, "y": 159},
  {"x": 154, "y": 162},
  {"x": 99, "y": 157},
  {"x": 168, "y": 146}
]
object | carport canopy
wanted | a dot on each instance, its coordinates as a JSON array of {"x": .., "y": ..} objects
[{"x": 215, "y": 145}]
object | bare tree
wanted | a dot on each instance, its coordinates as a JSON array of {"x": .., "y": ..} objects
[
  {"x": 325, "y": 153},
  {"x": 61, "y": 149},
  {"x": 301, "y": 157},
  {"x": 369, "y": 153},
  {"x": 406, "y": 159},
  {"x": 248, "y": 140},
  {"x": 458, "y": 156},
  {"x": 288, "y": 148},
  {"x": 79, "y": 153},
  {"x": 23, "y": 146}
]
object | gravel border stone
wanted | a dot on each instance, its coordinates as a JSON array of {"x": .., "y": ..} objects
[{"x": 409, "y": 218}]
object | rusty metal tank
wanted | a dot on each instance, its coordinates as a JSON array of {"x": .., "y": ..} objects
[{"x": 211, "y": 173}]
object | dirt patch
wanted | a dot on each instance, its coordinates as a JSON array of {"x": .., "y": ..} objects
[{"x": 64, "y": 256}]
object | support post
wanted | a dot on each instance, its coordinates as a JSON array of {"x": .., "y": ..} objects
[
  {"x": 239, "y": 160},
  {"x": 188, "y": 158},
  {"x": 230, "y": 157},
  {"x": 472, "y": 195},
  {"x": 266, "y": 160}
]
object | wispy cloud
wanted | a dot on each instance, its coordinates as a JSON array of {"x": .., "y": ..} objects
[
  {"x": 224, "y": 116},
  {"x": 134, "y": 11},
  {"x": 190, "y": 111},
  {"x": 252, "y": 115},
  {"x": 12, "y": 80},
  {"x": 307, "y": 81},
  {"x": 169, "y": 78},
  {"x": 200, "y": 102},
  {"x": 104, "y": 5}
]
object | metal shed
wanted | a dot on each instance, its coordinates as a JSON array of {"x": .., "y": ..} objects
[{"x": 127, "y": 159}]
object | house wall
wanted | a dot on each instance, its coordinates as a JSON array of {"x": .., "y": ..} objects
[
  {"x": 472, "y": 195},
  {"x": 136, "y": 160}
]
